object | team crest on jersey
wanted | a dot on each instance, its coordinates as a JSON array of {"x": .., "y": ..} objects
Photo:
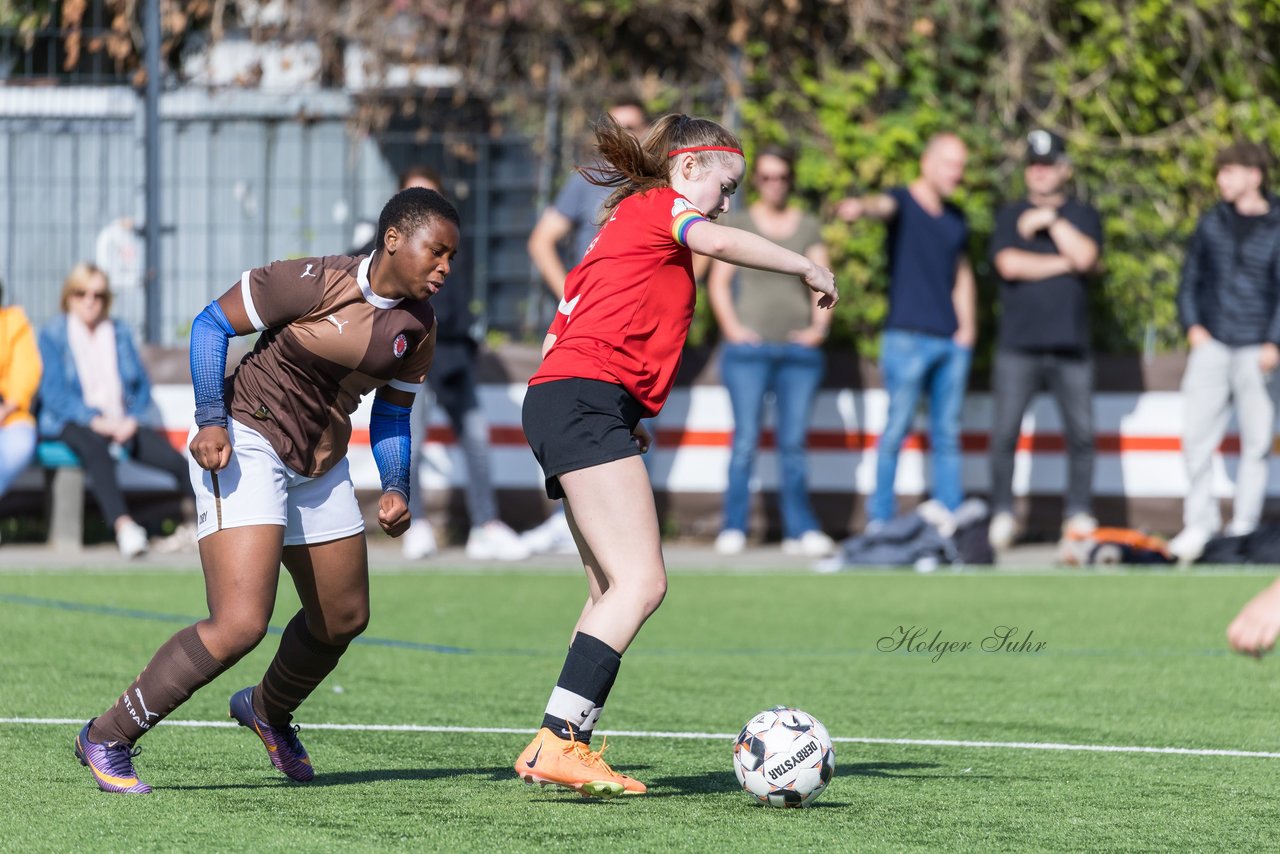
[
  {"x": 682, "y": 204},
  {"x": 400, "y": 346}
]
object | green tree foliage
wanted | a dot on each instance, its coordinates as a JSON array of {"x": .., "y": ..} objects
[{"x": 1145, "y": 92}]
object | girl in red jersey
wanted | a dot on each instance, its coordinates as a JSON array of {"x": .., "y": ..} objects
[{"x": 609, "y": 359}]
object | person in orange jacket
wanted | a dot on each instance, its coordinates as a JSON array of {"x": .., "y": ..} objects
[{"x": 19, "y": 379}]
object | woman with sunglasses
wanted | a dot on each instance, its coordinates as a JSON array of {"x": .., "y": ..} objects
[
  {"x": 95, "y": 397},
  {"x": 773, "y": 332}
]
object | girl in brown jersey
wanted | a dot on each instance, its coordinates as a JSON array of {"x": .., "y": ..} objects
[{"x": 268, "y": 464}]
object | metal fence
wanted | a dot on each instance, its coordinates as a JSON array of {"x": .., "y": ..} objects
[{"x": 246, "y": 177}]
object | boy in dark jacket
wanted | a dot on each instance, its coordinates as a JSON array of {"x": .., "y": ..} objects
[{"x": 1229, "y": 304}]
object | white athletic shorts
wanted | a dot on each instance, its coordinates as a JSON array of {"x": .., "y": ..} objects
[{"x": 257, "y": 488}]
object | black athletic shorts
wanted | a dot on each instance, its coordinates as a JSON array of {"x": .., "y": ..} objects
[{"x": 575, "y": 424}]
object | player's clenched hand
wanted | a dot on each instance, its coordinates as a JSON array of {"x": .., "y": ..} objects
[
  {"x": 393, "y": 513},
  {"x": 642, "y": 437},
  {"x": 211, "y": 448},
  {"x": 823, "y": 281},
  {"x": 1255, "y": 628}
]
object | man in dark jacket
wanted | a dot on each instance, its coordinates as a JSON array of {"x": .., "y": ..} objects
[{"x": 1229, "y": 304}]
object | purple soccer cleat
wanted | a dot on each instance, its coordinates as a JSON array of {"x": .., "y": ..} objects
[
  {"x": 283, "y": 747},
  {"x": 111, "y": 764}
]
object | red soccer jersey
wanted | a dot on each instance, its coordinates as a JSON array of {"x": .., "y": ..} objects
[{"x": 628, "y": 304}]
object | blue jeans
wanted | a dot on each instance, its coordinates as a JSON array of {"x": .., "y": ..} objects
[
  {"x": 17, "y": 446},
  {"x": 792, "y": 372},
  {"x": 914, "y": 363}
]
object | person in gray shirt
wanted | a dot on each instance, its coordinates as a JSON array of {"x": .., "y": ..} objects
[
  {"x": 574, "y": 216},
  {"x": 572, "y": 219}
]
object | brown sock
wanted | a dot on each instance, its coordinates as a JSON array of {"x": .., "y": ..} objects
[
  {"x": 301, "y": 663},
  {"x": 181, "y": 666}
]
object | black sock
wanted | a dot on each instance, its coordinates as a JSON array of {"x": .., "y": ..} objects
[{"x": 589, "y": 672}]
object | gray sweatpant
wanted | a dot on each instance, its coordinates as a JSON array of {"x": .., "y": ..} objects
[
  {"x": 452, "y": 383},
  {"x": 1218, "y": 378}
]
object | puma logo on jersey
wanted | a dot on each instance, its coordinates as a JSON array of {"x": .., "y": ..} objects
[
  {"x": 307, "y": 272},
  {"x": 566, "y": 308},
  {"x": 333, "y": 318}
]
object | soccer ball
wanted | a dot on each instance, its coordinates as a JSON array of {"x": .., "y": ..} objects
[{"x": 783, "y": 758}]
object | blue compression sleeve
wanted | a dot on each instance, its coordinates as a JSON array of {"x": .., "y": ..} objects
[
  {"x": 209, "y": 334},
  {"x": 389, "y": 436}
]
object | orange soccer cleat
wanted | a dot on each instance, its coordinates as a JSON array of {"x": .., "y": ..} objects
[{"x": 574, "y": 765}]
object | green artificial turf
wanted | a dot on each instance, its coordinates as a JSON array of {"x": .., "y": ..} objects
[{"x": 1127, "y": 660}]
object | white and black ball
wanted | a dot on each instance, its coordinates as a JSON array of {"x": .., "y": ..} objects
[{"x": 783, "y": 758}]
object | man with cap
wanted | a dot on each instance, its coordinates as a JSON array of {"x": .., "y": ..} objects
[{"x": 1044, "y": 248}]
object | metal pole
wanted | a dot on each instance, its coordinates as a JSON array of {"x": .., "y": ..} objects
[
  {"x": 151, "y": 226},
  {"x": 546, "y": 178},
  {"x": 733, "y": 103}
]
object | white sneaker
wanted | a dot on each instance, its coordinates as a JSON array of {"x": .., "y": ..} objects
[
  {"x": 1079, "y": 526},
  {"x": 1239, "y": 530},
  {"x": 419, "y": 541},
  {"x": 1003, "y": 530},
  {"x": 936, "y": 514},
  {"x": 809, "y": 544},
  {"x": 132, "y": 539},
  {"x": 551, "y": 537},
  {"x": 1189, "y": 545},
  {"x": 731, "y": 542},
  {"x": 494, "y": 540},
  {"x": 183, "y": 539}
]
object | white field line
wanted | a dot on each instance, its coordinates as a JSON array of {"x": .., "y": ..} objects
[{"x": 710, "y": 736}]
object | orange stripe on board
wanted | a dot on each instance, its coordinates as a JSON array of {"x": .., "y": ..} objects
[{"x": 834, "y": 440}]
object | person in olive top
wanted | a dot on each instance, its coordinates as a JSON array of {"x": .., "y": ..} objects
[
  {"x": 773, "y": 332},
  {"x": 1043, "y": 248}
]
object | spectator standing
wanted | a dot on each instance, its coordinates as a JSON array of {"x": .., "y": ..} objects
[
  {"x": 96, "y": 398},
  {"x": 1229, "y": 305},
  {"x": 773, "y": 332},
  {"x": 927, "y": 344},
  {"x": 572, "y": 221},
  {"x": 1043, "y": 248},
  {"x": 19, "y": 379},
  {"x": 452, "y": 379}
]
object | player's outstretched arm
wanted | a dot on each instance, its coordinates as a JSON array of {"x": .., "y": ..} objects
[
  {"x": 878, "y": 206},
  {"x": 1255, "y": 628},
  {"x": 735, "y": 246}
]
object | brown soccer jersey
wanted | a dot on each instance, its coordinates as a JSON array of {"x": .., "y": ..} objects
[{"x": 327, "y": 340}]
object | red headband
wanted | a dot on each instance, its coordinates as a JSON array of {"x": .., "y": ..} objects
[{"x": 728, "y": 148}]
